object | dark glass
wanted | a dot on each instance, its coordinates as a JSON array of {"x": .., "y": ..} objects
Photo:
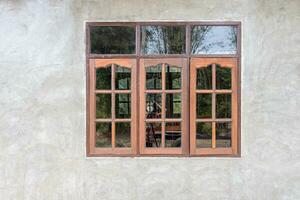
[
  {"x": 223, "y": 76},
  {"x": 204, "y": 135},
  {"x": 103, "y": 106},
  {"x": 153, "y": 134},
  {"x": 214, "y": 40},
  {"x": 123, "y": 134},
  {"x": 123, "y": 102},
  {"x": 223, "y": 134},
  {"x": 153, "y": 77},
  {"x": 223, "y": 105},
  {"x": 103, "y": 134},
  {"x": 173, "y": 78},
  {"x": 204, "y": 109},
  {"x": 103, "y": 78},
  {"x": 153, "y": 105},
  {"x": 173, "y": 105},
  {"x": 123, "y": 78},
  {"x": 204, "y": 78},
  {"x": 173, "y": 134},
  {"x": 112, "y": 40},
  {"x": 163, "y": 40}
]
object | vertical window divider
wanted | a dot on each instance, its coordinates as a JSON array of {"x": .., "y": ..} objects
[
  {"x": 163, "y": 104},
  {"x": 214, "y": 105},
  {"x": 113, "y": 109}
]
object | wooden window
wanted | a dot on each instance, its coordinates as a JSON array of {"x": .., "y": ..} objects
[{"x": 163, "y": 89}]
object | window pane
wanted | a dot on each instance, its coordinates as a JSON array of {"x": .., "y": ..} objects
[
  {"x": 223, "y": 77},
  {"x": 103, "y": 78},
  {"x": 163, "y": 39},
  {"x": 123, "y": 134},
  {"x": 173, "y": 78},
  {"x": 223, "y": 105},
  {"x": 173, "y": 105},
  {"x": 123, "y": 107},
  {"x": 173, "y": 134},
  {"x": 153, "y": 77},
  {"x": 103, "y": 134},
  {"x": 223, "y": 134},
  {"x": 204, "y": 78},
  {"x": 123, "y": 78},
  {"x": 214, "y": 40},
  {"x": 153, "y": 134},
  {"x": 103, "y": 106},
  {"x": 204, "y": 135},
  {"x": 203, "y": 109},
  {"x": 112, "y": 40},
  {"x": 153, "y": 105}
]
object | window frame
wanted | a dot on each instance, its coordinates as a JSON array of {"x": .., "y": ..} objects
[{"x": 139, "y": 56}]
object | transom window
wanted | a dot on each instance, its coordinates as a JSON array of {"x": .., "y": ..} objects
[{"x": 163, "y": 89}]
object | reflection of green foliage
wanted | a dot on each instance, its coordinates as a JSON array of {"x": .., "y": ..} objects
[
  {"x": 112, "y": 40},
  {"x": 223, "y": 105},
  {"x": 153, "y": 77},
  {"x": 103, "y": 105},
  {"x": 123, "y": 135},
  {"x": 103, "y": 134},
  {"x": 123, "y": 102},
  {"x": 103, "y": 78},
  {"x": 223, "y": 76},
  {"x": 204, "y": 77},
  {"x": 204, "y": 105},
  {"x": 204, "y": 128}
]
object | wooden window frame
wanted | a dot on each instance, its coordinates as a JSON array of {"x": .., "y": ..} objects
[{"x": 136, "y": 150}]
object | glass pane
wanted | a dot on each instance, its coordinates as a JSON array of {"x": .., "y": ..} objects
[
  {"x": 223, "y": 105},
  {"x": 203, "y": 108},
  {"x": 112, "y": 40},
  {"x": 223, "y": 134},
  {"x": 153, "y": 105},
  {"x": 173, "y": 78},
  {"x": 153, "y": 77},
  {"x": 123, "y": 102},
  {"x": 163, "y": 39},
  {"x": 103, "y": 134},
  {"x": 123, "y": 134},
  {"x": 123, "y": 78},
  {"x": 204, "y": 78},
  {"x": 103, "y": 78},
  {"x": 223, "y": 77},
  {"x": 153, "y": 134},
  {"x": 214, "y": 40},
  {"x": 103, "y": 106},
  {"x": 204, "y": 135},
  {"x": 173, "y": 105},
  {"x": 173, "y": 134}
]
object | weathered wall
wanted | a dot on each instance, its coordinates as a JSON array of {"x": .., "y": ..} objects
[{"x": 42, "y": 105}]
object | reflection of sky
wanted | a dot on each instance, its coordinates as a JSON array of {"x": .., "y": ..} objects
[{"x": 218, "y": 40}]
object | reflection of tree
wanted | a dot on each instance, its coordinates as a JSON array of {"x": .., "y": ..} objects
[
  {"x": 198, "y": 36},
  {"x": 112, "y": 40},
  {"x": 163, "y": 40}
]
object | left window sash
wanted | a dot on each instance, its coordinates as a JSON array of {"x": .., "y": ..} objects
[{"x": 112, "y": 107}]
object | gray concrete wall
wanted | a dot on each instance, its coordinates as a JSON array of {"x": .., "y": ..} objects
[{"x": 42, "y": 106}]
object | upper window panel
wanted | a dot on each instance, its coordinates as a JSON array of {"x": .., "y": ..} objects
[
  {"x": 163, "y": 40},
  {"x": 112, "y": 40},
  {"x": 214, "y": 40}
]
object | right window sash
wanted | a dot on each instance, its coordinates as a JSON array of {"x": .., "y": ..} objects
[{"x": 213, "y": 106}]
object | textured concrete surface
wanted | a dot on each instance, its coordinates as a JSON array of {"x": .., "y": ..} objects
[{"x": 42, "y": 106}]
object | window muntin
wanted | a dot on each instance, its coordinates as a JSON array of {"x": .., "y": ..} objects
[{"x": 167, "y": 133}]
